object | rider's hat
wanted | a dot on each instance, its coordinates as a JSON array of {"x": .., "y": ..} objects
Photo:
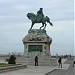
[{"x": 41, "y": 8}]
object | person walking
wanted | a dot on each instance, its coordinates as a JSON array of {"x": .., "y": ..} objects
[
  {"x": 36, "y": 60},
  {"x": 60, "y": 62}
]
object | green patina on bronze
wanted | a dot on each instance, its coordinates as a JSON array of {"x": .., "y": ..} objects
[
  {"x": 35, "y": 48},
  {"x": 39, "y": 18}
]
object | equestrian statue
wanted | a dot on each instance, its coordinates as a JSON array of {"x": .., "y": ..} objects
[{"x": 39, "y": 18}]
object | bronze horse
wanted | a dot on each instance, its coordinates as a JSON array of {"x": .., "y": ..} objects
[{"x": 39, "y": 19}]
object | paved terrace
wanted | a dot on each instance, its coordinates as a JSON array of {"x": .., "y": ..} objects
[
  {"x": 36, "y": 70},
  {"x": 70, "y": 71}
]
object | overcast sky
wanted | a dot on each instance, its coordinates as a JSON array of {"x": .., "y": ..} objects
[{"x": 14, "y": 24}]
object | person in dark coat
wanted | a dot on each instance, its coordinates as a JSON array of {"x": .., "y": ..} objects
[
  {"x": 36, "y": 60},
  {"x": 73, "y": 62},
  {"x": 60, "y": 62}
]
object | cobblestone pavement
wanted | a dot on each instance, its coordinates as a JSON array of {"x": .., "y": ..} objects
[{"x": 70, "y": 71}]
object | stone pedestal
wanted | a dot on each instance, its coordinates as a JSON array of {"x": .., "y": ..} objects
[{"x": 37, "y": 42}]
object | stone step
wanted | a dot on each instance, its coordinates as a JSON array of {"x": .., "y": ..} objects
[
  {"x": 44, "y": 62},
  {"x": 41, "y": 61}
]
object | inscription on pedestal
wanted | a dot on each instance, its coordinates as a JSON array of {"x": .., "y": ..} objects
[{"x": 35, "y": 48}]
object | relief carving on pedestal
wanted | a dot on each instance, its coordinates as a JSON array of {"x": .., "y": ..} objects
[{"x": 35, "y": 38}]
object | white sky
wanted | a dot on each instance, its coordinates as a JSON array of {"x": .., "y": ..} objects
[{"x": 14, "y": 24}]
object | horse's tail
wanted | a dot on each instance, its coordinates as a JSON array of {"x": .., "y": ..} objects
[{"x": 48, "y": 20}]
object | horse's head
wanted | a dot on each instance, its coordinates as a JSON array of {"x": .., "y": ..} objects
[
  {"x": 28, "y": 15},
  {"x": 31, "y": 15}
]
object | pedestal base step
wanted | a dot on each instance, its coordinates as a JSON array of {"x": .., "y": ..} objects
[{"x": 44, "y": 62}]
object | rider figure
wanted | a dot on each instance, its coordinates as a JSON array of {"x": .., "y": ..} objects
[{"x": 40, "y": 13}]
